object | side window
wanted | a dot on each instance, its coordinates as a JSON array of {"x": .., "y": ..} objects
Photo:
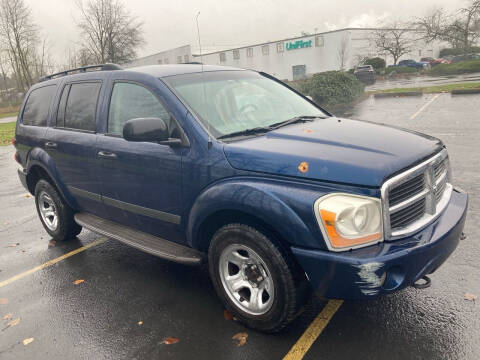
[
  {"x": 81, "y": 106},
  {"x": 37, "y": 106},
  {"x": 131, "y": 101}
]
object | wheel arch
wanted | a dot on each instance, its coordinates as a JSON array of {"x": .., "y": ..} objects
[{"x": 249, "y": 202}]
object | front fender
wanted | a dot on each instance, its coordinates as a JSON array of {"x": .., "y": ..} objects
[
  {"x": 39, "y": 157},
  {"x": 285, "y": 207}
]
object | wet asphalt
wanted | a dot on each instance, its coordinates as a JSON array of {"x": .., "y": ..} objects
[
  {"x": 421, "y": 81},
  {"x": 99, "y": 318}
]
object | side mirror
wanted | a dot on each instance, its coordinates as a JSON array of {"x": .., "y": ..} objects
[{"x": 146, "y": 129}]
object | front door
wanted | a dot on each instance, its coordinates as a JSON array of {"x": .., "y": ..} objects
[{"x": 141, "y": 181}]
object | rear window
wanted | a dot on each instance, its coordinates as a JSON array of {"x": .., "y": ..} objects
[
  {"x": 81, "y": 106},
  {"x": 38, "y": 105}
]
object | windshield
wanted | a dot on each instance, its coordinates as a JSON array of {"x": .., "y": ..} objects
[{"x": 239, "y": 100}]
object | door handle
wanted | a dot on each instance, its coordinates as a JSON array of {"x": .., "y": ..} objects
[
  {"x": 50, "y": 145},
  {"x": 107, "y": 155}
]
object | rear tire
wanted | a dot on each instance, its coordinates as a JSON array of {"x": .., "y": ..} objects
[
  {"x": 255, "y": 278},
  {"x": 54, "y": 213}
]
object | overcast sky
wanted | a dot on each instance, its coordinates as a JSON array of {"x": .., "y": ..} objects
[{"x": 169, "y": 24}]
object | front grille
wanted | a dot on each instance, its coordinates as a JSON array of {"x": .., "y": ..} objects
[
  {"x": 407, "y": 189},
  {"x": 407, "y": 215},
  {"x": 415, "y": 196}
]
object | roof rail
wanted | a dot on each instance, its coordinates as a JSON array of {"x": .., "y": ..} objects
[{"x": 83, "y": 69}]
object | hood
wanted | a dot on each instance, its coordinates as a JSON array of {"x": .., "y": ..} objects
[{"x": 336, "y": 150}]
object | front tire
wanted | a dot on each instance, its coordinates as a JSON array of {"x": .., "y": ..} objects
[
  {"x": 254, "y": 277},
  {"x": 54, "y": 213}
]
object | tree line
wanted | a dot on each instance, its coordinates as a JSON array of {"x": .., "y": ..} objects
[
  {"x": 108, "y": 34},
  {"x": 460, "y": 29}
]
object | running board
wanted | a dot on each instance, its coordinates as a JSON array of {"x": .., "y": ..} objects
[{"x": 140, "y": 240}]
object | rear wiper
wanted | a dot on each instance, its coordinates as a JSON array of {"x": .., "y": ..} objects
[
  {"x": 252, "y": 131},
  {"x": 294, "y": 120}
]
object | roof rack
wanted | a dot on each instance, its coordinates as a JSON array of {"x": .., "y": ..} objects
[{"x": 83, "y": 69}]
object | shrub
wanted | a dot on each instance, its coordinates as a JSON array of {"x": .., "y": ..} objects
[
  {"x": 462, "y": 67},
  {"x": 401, "y": 70},
  {"x": 332, "y": 88},
  {"x": 376, "y": 62},
  {"x": 457, "y": 51}
]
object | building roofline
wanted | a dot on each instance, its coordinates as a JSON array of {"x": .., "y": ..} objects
[
  {"x": 295, "y": 38},
  {"x": 161, "y": 52}
]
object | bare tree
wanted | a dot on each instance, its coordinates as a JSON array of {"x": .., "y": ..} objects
[
  {"x": 343, "y": 53},
  {"x": 460, "y": 29},
  {"x": 109, "y": 33},
  {"x": 395, "y": 39},
  {"x": 18, "y": 36}
]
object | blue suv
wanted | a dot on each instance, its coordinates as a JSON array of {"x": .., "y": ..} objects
[{"x": 198, "y": 163}]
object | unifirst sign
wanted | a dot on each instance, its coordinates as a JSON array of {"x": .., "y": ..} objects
[{"x": 299, "y": 44}]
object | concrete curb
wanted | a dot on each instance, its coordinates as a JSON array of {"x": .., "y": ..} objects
[
  {"x": 397, "y": 94},
  {"x": 465, "y": 91}
]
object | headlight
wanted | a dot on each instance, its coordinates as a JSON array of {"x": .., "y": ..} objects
[{"x": 349, "y": 221}]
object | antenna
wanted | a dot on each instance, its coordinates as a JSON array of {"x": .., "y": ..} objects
[{"x": 203, "y": 81}]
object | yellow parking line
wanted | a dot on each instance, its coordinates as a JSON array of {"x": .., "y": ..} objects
[
  {"x": 51, "y": 262},
  {"x": 424, "y": 107},
  {"x": 303, "y": 344}
]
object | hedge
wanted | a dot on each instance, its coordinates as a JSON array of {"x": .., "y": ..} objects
[
  {"x": 376, "y": 62},
  {"x": 455, "y": 51},
  {"x": 332, "y": 88},
  {"x": 462, "y": 67}
]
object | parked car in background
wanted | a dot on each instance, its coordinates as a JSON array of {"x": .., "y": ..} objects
[
  {"x": 414, "y": 64},
  {"x": 365, "y": 74},
  {"x": 431, "y": 61},
  {"x": 467, "y": 57}
]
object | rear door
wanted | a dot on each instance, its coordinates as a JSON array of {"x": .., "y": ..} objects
[
  {"x": 72, "y": 142},
  {"x": 141, "y": 181}
]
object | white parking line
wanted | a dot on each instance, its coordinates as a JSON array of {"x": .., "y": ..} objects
[{"x": 424, "y": 107}]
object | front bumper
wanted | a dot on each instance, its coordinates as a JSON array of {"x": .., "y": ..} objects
[{"x": 387, "y": 267}]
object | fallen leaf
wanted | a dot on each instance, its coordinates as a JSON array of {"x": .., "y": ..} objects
[
  {"x": 227, "y": 315},
  {"x": 7, "y": 317},
  {"x": 27, "y": 195},
  {"x": 13, "y": 322},
  {"x": 52, "y": 243},
  {"x": 140, "y": 323},
  {"x": 3, "y": 301},
  {"x": 241, "y": 337},
  {"x": 469, "y": 297},
  {"x": 170, "y": 341},
  {"x": 79, "y": 281},
  {"x": 27, "y": 341}
]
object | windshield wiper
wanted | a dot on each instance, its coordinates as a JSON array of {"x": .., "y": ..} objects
[
  {"x": 246, "y": 132},
  {"x": 294, "y": 120},
  {"x": 265, "y": 129}
]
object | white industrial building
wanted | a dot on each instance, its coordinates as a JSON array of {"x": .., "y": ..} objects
[{"x": 297, "y": 57}]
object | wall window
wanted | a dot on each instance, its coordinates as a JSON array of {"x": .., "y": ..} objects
[
  {"x": 265, "y": 49},
  {"x": 81, "y": 108},
  {"x": 280, "y": 47},
  {"x": 179, "y": 59},
  {"x": 250, "y": 52},
  {"x": 160, "y": 61},
  {"x": 223, "y": 57},
  {"x": 185, "y": 58},
  {"x": 37, "y": 106},
  {"x": 165, "y": 61},
  {"x": 236, "y": 54},
  {"x": 131, "y": 101},
  {"x": 319, "y": 42}
]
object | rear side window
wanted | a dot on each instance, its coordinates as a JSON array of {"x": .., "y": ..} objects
[
  {"x": 38, "y": 105},
  {"x": 81, "y": 106},
  {"x": 131, "y": 101}
]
